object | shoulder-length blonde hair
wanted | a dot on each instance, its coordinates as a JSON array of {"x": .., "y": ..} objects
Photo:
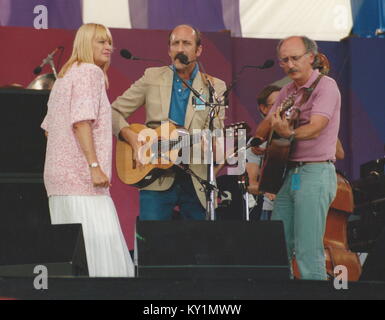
[{"x": 82, "y": 48}]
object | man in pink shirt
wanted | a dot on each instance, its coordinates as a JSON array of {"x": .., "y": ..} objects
[{"x": 310, "y": 183}]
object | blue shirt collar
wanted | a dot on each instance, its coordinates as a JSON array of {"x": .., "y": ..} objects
[{"x": 193, "y": 75}]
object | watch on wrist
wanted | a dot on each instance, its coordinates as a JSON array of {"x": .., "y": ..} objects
[{"x": 94, "y": 165}]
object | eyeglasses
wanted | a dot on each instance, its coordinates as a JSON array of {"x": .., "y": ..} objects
[{"x": 292, "y": 59}]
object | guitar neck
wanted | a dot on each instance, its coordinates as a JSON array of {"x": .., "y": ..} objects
[
  {"x": 185, "y": 141},
  {"x": 286, "y": 104}
]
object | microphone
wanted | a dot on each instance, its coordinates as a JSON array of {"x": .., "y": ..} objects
[
  {"x": 267, "y": 64},
  {"x": 48, "y": 59},
  {"x": 255, "y": 142},
  {"x": 182, "y": 58},
  {"x": 127, "y": 54}
]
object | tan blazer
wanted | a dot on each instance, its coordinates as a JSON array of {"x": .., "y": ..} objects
[{"x": 153, "y": 91}]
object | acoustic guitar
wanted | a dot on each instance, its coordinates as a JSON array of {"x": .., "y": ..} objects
[
  {"x": 277, "y": 151},
  {"x": 163, "y": 148}
]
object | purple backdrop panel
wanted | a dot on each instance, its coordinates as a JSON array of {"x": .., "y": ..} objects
[
  {"x": 367, "y": 99},
  {"x": 205, "y": 15},
  {"x": 231, "y": 17},
  {"x": 61, "y": 14},
  {"x": 139, "y": 13},
  {"x": 368, "y": 78},
  {"x": 5, "y": 12},
  {"x": 209, "y": 15}
]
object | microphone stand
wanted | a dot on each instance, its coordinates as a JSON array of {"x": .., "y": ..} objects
[
  {"x": 208, "y": 185},
  {"x": 243, "y": 183},
  {"x": 210, "y": 188},
  {"x": 210, "y": 193},
  {"x": 49, "y": 60},
  {"x": 52, "y": 64}
]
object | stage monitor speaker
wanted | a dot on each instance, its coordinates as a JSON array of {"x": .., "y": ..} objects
[
  {"x": 60, "y": 248},
  {"x": 211, "y": 249},
  {"x": 22, "y": 141},
  {"x": 24, "y": 202},
  {"x": 374, "y": 266},
  {"x": 374, "y": 168}
]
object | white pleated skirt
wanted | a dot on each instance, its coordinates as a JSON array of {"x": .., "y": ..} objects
[{"x": 106, "y": 248}]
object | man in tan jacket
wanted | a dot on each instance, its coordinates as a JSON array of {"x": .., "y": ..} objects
[{"x": 165, "y": 97}]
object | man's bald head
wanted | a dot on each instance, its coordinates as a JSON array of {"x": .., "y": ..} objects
[{"x": 195, "y": 31}]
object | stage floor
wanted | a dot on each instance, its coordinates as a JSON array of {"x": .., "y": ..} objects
[{"x": 80, "y": 288}]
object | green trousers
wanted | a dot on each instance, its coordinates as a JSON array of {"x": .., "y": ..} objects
[{"x": 302, "y": 204}]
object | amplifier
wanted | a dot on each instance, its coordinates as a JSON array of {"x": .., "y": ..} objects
[{"x": 373, "y": 168}]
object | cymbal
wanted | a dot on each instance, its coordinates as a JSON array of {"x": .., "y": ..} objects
[{"x": 43, "y": 82}]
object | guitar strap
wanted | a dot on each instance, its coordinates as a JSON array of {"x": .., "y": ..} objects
[
  {"x": 309, "y": 91},
  {"x": 307, "y": 94}
]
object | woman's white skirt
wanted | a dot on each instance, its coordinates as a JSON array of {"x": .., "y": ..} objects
[{"x": 106, "y": 248}]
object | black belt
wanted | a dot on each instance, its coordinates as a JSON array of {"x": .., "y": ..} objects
[{"x": 296, "y": 164}]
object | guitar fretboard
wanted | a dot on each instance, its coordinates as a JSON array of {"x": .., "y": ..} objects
[{"x": 182, "y": 142}]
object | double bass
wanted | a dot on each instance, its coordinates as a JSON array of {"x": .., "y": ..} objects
[{"x": 335, "y": 239}]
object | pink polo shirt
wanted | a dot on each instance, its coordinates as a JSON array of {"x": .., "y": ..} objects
[
  {"x": 79, "y": 95},
  {"x": 325, "y": 101}
]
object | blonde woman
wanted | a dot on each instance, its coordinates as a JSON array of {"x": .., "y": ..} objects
[{"x": 77, "y": 168}]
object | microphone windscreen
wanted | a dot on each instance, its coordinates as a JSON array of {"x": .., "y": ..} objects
[
  {"x": 268, "y": 64},
  {"x": 37, "y": 70},
  {"x": 255, "y": 142},
  {"x": 125, "y": 54}
]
